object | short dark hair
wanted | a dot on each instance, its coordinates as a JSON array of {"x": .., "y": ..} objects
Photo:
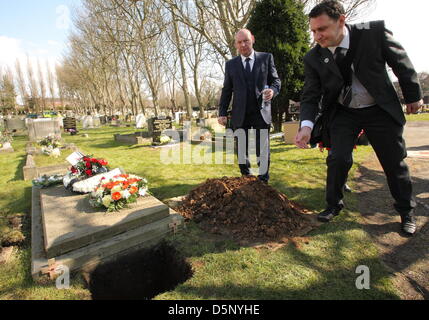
[{"x": 333, "y": 8}]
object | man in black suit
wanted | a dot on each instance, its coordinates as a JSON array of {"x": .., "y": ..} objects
[
  {"x": 245, "y": 79},
  {"x": 346, "y": 71}
]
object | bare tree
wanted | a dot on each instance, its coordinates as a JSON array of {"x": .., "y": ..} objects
[
  {"x": 42, "y": 86},
  {"x": 51, "y": 84},
  {"x": 20, "y": 80},
  {"x": 32, "y": 83}
]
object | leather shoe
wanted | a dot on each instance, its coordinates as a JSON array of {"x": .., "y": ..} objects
[
  {"x": 328, "y": 214},
  {"x": 347, "y": 188},
  {"x": 408, "y": 225}
]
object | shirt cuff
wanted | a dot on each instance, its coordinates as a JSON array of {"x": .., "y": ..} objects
[{"x": 307, "y": 123}]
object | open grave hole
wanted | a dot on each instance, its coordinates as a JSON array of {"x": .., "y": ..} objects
[{"x": 140, "y": 275}]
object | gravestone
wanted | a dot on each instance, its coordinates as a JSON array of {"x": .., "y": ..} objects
[
  {"x": 39, "y": 129},
  {"x": 87, "y": 122},
  {"x": 69, "y": 124},
  {"x": 140, "y": 121},
  {"x": 96, "y": 121},
  {"x": 157, "y": 125},
  {"x": 15, "y": 124},
  {"x": 80, "y": 237}
]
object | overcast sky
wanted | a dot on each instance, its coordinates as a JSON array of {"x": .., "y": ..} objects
[{"x": 40, "y": 28}]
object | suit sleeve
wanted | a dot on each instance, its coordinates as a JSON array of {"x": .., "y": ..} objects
[
  {"x": 273, "y": 77},
  {"x": 311, "y": 94},
  {"x": 397, "y": 58},
  {"x": 226, "y": 95}
]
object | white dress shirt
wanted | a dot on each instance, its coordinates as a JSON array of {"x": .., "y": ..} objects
[
  {"x": 251, "y": 61},
  {"x": 360, "y": 96}
]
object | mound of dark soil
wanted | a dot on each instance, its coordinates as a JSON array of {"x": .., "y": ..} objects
[
  {"x": 245, "y": 208},
  {"x": 140, "y": 275}
]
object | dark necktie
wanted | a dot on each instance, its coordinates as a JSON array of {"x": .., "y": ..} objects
[
  {"x": 345, "y": 66},
  {"x": 248, "y": 70}
]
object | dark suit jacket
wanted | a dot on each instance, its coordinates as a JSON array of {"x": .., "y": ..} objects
[
  {"x": 235, "y": 85},
  {"x": 323, "y": 80}
]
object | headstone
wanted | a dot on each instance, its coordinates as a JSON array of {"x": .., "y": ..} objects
[
  {"x": 39, "y": 129},
  {"x": 103, "y": 120},
  {"x": 15, "y": 124},
  {"x": 69, "y": 124},
  {"x": 157, "y": 125},
  {"x": 96, "y": 121},
  {"x": 179, "y": 116},
  {"x": 140, "y": 121},
  {"x": 87, "y": 122}
]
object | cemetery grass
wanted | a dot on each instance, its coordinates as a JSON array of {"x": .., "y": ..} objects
[
  {"x": 319, "y": 266},
  {"x": 418, "y": 117}
]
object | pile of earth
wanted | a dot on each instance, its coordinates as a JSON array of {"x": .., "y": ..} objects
[{"x": 245, "y": 208}]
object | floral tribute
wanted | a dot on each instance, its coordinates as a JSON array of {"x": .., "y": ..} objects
[
  {"x": 51, "y": 145},
  {"x": 88, "y": 167},
  {"x": 118, "y": 192}
]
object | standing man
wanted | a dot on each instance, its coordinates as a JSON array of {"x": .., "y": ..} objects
[
  {"x": 346, "y": 71},
  {"x": 245, "y": 78}
]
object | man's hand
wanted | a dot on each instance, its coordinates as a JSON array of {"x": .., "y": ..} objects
[
  {"x": 303, "y": 137},
  {"x": 268, "y": 94},
  {"x": 414, "y": 107},
  {"x": 222, "y": 120}
]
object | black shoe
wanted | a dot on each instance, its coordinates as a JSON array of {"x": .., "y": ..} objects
[
  {"x": 408, "y": 225},
  {"x": 263, "y": 179},
  {"x": 347, "y": 188},
  {"x": 328, "y": 214}
]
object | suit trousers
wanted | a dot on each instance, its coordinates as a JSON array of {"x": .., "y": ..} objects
[
  {"x": 385, "y": 136},
  {"x": 261, "y": 144}
]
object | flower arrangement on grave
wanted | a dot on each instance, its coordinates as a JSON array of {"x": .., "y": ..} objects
[
  {"x": 116, "y": 193},
  {"x": 164, "y": 139},
  {"x": 86, "y": 167},
  {"x": 51, "y": 145},
  {"x": 47, "y": 181}
]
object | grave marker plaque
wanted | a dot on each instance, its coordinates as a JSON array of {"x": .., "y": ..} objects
[
  {"x": 157, "y": 125},
  {"x": 69, "y": 123}
]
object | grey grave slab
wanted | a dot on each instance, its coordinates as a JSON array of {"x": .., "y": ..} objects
[
  {"x": 70, "y": 223},
  {"x": 90, "y": 256},
  {"x": 39, "y": 129}
]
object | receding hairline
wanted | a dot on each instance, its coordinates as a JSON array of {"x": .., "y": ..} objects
[{"x": 245, "y": 31}]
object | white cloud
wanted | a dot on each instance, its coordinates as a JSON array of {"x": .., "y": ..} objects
[{"x": 10, "y": 50}]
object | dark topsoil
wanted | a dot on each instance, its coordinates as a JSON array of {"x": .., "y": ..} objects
[{"x": 244, "y": 208}]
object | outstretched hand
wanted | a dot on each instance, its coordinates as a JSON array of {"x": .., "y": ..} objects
[
  {"x": 302, "y": 138},
  {"x": 222, "y": 121}
]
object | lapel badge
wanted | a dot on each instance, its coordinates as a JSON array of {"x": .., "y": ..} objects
[{"x": 327, "y": 60}]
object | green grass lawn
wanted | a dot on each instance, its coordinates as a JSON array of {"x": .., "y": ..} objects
[
  {"x": 322, "y": 269},
  {"x": 418, "y": 117}
]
